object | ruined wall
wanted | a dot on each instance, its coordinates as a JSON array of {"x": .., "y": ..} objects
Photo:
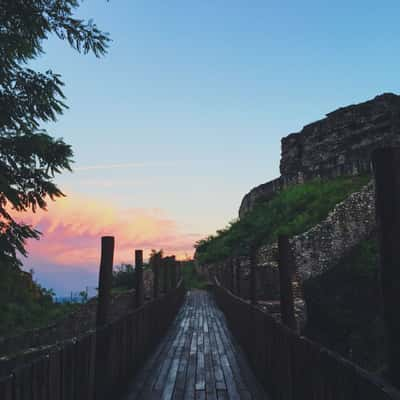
[
  {"x": 262, "y": 192},
  {"x": 340, "y": 144},
  {"x": 347, "y": 224},
  {"x": 314, "y": 251},
  {"x": 318, "y": 249}
]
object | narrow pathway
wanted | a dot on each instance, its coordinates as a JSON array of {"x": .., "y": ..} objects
[{"x": 197, "y": 359}]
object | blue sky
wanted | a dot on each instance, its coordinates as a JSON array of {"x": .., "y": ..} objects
[{"x": 186, "y": 112}]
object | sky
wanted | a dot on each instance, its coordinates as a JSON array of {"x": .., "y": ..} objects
[{"x": 185, "y": 113}]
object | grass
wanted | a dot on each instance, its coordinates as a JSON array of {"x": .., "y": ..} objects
[
  {"x": 292, "y": 211},
  {"x": 191, "y": 277}
]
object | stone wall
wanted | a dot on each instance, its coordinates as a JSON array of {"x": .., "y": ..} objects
[
  {"x": 347, "y": 224},
  {"x": 262, "y": 192},
  {"x": 318, "y": 249},
  {"x": 340, "y": 144}
]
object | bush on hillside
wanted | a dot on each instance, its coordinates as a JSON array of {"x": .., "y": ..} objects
[{"x": 24, "y": 304}]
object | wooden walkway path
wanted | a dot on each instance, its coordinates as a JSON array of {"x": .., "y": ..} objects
[{"x": 197, "y": 359}]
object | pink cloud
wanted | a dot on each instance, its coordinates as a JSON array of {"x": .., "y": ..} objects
[{"x": 73, "y": 226}]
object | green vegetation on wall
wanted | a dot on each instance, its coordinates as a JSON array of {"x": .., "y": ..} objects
[{"x": 292, "y": 211}]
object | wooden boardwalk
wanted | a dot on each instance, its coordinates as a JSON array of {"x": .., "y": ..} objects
[{"x": 197, "y": 359}]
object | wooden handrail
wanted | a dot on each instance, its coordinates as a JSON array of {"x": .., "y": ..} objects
[{"x": 291, "y": 366}]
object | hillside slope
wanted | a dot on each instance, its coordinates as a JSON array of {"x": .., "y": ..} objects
[{"x": 291, "y": 211}]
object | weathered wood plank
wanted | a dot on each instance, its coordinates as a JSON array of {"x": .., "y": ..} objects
[
  {"x": 6, "y": 385},
  {"x": 148, "y": 375},
  {"x": 184, "y": 361},
  {"x": 196, "y": 360}
]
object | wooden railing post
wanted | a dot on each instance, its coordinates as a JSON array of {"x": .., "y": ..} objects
[
  {"x": 232, "y": 275},
  {"x": 386, "y": 163},
  {"x": 156, "y": 275},
  {"x": 226, "y": 274},
  {"x": 173, "y": 271},
  {"x": 286, "y": 288},
  {"x": 105, "y": 280},
  {"x": 253, "y": 263},
  {"x": 227, "y": 277},
  {"x": 101, "y": 377},
  {"x": 238, "y": 278},
  {"x": 179, "y": 270},
  {"x": 139, "y": 286},
  {"x": 165, "y": 274}
]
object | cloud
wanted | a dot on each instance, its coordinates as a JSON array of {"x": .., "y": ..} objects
[
  {"x": 125, "y": 165},
  {"x": 111, "y": 183},
  {"x": 72, "y": 228}
]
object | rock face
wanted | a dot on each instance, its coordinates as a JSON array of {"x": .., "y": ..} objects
[{"x": 340, "y": 144}]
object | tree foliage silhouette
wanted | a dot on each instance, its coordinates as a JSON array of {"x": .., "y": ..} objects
[{"x": 29, "y": 157}]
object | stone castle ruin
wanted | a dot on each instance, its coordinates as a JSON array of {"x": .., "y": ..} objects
[{"x": 340, "y": 144}]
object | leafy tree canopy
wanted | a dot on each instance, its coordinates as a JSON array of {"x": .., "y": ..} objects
[{"x": 29, "y": 157}]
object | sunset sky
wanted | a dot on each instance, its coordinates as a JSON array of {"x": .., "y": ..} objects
[{"x": 185, "y": 115}]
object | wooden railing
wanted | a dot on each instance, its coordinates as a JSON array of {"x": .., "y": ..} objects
[
  {"x": 292, "y": 367},
  {"x": 98, "y": 364},
  {"x": 76, "y": 372}
]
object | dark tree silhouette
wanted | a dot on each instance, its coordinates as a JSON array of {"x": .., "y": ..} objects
[{"x": 29, "y": 157}]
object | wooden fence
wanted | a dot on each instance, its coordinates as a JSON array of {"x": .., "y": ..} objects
[
  {"x": 71, "y": 325},
  {"x": 290, "y": 366},
  {"x": 99, "y": 363},
  {"x": 293, "y": 367},
  {"x": 73, "y": 372}
]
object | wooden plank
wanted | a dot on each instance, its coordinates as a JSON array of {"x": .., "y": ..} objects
[
  {"x": 200, "y": 395},
  {"x": 223, "y": 363},
  {"x": 40, "y": 379},
  {"x": 83, "y": 370},
  {"x": 210, "y": 376},
  {"x": 23, "y": 383},
  {"x": 55, "y": 375},
  {"x": 196, "y": 360},
  {"x": 6, "y": 387},
  {"x": 230, "y": 355},
  {"x": 67, "y": 372},
  {"x": 191, "y": 371},
  {"x": 246, "y": 381},
  {"x": 142, "y": 386},
  {"x": 200, "y": 383},
  {"x": 144, "y": 378},
  {"x": 184, "y": 361},
  {"x": 174, "y": 367},
  {"x": 163, "y": 376},
  {"x": 222, "y": 395}
]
